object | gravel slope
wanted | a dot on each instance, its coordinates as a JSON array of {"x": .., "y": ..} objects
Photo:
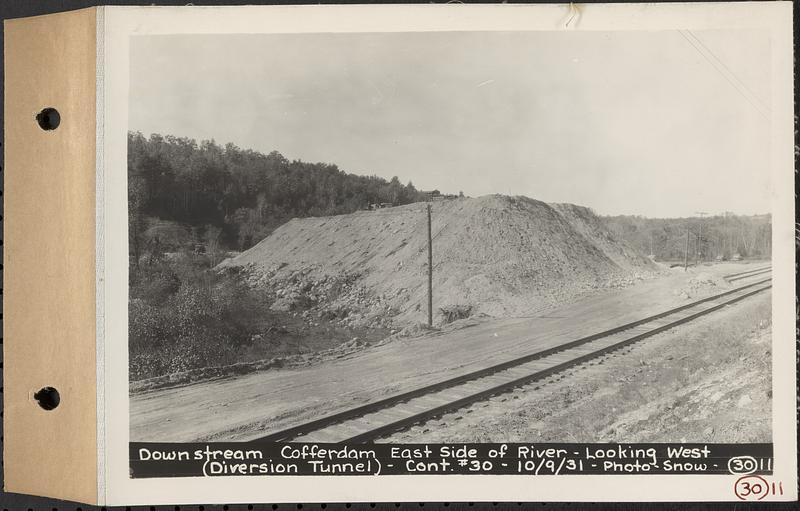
[{"x": 501, "y": 256}]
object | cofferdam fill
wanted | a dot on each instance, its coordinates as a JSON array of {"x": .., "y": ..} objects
[{"x": 495, "y": 255}]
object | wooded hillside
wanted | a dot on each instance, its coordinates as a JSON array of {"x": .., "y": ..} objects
[{"x": 242, "y": 193}]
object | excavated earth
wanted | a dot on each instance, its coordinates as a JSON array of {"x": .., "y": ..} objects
[{"x": 493, "y": 255}]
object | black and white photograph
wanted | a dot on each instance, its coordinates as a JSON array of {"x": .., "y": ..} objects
[{"x": 451, "y": 236}]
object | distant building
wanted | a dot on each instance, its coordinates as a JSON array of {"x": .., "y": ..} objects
[{"x": 432, "y": 194}]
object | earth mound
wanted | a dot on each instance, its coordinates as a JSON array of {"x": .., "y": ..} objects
[{"x": 494, "y": 255}]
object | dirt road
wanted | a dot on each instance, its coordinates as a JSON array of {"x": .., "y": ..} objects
[{"x": 250, "y": 406}]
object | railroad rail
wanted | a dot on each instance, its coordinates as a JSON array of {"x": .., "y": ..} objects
[
  {"x": 733, "y": 277},
  {"x": 380, "y": 418}
]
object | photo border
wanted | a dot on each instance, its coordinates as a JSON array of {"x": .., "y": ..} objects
[{"x": 118, "y": 24}]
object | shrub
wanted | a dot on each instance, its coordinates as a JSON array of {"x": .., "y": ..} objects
[
  {"x": 452, "y": 313},
  {"x": 181, "y": 318},
  {"x": 154, "y": 282}
]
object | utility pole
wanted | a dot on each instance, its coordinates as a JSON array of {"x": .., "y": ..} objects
[
  {"x": 701, "y": 214},
  {"x": 730, "y": 241},
  {"x": 430, "y": 270},
  {"x": 697, "y": 250},
  {"x": 727, "y": 231},
  {"x": 686, "y": 251}
]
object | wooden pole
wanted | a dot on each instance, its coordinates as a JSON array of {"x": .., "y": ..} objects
[
  {"x": 699, "y": 235},
  {"x": 686, "y": 251},
  {"x": 698, "y": 256},
  {"x": 430, "y": 270}
]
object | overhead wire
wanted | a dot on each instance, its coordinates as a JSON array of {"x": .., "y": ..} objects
[
  {"x": 730, "y": 72},
  {"x": 726, "y": 73}
]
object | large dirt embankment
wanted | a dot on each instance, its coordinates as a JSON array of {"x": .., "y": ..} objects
[{"x": 495, "y": 255}]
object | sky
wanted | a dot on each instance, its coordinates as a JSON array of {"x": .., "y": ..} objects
[{"x": 660, "y": 124}]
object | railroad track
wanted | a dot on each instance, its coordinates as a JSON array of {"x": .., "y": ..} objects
[
  {"x": 381, "y": 418},
  {"x": 733, "y": 277}
]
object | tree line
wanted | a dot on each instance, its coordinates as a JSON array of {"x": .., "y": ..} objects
[
  {"x": 240, "y": 195},
  {"x": 723, "y": 236}
]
